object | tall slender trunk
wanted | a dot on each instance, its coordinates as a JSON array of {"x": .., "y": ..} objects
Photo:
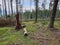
[
  {"x": 5, "y": 8},
  {"x": 0, "y": 11},
  {"x": 11, "y": 7},
  {"x": 51, "y": 25},
  {"x": 18, "y": 26},
  {"x": 36, "y": 4}
]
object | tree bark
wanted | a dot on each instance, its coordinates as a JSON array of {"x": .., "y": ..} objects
[
  {"x": 18, "y": 25},
  {"x": 11, "y": 8},
  {"x": 5, "y": 8},
  {"x": 8, "y": 7},
  {"x": 51, "y": 25},
  {"x": 36, "y": 13}
]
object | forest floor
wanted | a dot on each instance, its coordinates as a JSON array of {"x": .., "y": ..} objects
[{"x": 37, "y": 35}]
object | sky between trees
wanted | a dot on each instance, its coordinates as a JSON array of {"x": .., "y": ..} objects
[{"x": 27, "y": 5}]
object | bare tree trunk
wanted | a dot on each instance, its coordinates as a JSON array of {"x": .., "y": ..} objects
[
  {"x": 11, "y": 7},
  {"x": 5, "y": 8},
  {"x": 8, "y": 7},
  {"x": 0, "y": 11},
  {"x": 36, "y": 4},
  {"x": 51, "y": 25},
  {"x": 18, "y": 25}
]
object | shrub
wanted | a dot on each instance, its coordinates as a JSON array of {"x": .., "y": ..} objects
[{"x": 7, "y": 22}]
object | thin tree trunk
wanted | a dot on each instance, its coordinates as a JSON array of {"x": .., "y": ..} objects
[
  {"x": 11, "y": 7},
  {"x": 8, "y": 7},
  {"x": 5, "y": 8},
  {"x": 0, "y": 11},
  {"x": 51, "y": 25},
  {"x": 18, "y": 26},
  {"x": 36, "y": 3}
]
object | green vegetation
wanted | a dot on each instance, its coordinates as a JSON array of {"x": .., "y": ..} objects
[
  {"x": 8, "y": 35},
  {"x": 42, "y": 23}
]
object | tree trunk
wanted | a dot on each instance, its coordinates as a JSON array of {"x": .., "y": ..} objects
[
  {"x": 8, "y": 7},
  {"x": 11, "y": 8},
  {"x": 51, "y": 25},
  {"x": 18, "y": 25},
  {"x": 0, "y": 11},
  {"x": 36, "y": 4},
  {"x": 5, "y": 8}
]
